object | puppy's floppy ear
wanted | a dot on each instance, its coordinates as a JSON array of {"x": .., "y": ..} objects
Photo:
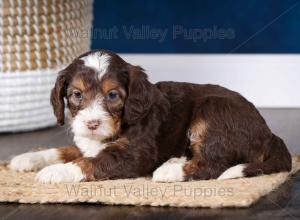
[
  {"x": 140, "y": 95},
  {"x": 57, "y": 97}
]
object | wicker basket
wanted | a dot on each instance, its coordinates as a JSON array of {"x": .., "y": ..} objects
[{"x": 37, "y": 39}]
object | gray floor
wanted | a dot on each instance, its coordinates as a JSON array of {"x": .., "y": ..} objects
[
  {"x": 286, "y": 124},
  {"x": 283, "y": 122}
]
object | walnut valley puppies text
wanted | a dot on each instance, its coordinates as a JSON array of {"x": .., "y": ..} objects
[
  {"x": 147, "y": 190},
  {"x": 159, "y": 34}
]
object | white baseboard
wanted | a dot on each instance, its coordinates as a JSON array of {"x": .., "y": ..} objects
[{"x": 266, "y": 80}]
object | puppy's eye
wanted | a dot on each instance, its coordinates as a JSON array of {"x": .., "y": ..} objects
[
  {"x": 112, "y": 95},
  {"x": 77, "y": 94}
]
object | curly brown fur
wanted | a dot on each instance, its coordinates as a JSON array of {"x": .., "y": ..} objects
[{"x": 213, "y": 127}]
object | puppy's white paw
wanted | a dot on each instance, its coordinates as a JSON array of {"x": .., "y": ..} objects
[
  {"x": 33, "y": 161},
  {"x": 170, "y": 171},
  {"x": 233, "y": 172},
  {"x": 27, "y": 162},
  {"x": 59, "y": 173}
]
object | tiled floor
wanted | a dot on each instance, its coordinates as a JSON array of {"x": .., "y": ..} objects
[{"x": 284, "y": 203}]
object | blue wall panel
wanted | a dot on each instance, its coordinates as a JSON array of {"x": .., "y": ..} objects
[{"x": 229, "y": 26}]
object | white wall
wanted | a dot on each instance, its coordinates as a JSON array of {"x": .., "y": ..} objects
[{"x": 266, "y": 80}]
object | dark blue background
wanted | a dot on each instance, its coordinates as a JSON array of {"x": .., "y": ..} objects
[{"x": 244, "y": 17}]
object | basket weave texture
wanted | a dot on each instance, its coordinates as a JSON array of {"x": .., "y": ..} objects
[{"x": 37, "y": 39}]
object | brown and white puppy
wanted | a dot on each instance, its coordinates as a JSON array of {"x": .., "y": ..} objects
[{"x": 126, "y": 127}]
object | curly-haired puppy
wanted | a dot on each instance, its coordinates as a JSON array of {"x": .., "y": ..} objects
[{"x": 126, "y": 127}]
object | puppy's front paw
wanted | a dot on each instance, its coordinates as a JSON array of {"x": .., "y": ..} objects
[
  {"x": 31, "y": 161},
  {"x": 58, "y": 173},
  {"x": 170, "y": 171}
]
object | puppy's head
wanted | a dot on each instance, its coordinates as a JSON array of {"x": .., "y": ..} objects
[{"x": 102, "y": 91}]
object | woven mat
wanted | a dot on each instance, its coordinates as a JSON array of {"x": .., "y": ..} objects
[{"x": 21, "y": 187}]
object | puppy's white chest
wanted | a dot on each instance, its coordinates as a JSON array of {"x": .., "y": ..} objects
[{"x": 89, "y": 147}]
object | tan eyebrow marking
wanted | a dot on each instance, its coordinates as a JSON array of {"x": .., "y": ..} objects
[
  {"x": 79, "y": 84},
  {"x": 109, "y": 84}
]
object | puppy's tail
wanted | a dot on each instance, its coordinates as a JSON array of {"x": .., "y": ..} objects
[{"x": 278, "y": 160}]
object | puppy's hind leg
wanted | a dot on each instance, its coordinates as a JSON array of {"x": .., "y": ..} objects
[
  {"x": 203, "y": 165},
  {"x": 204, "y": 162}
]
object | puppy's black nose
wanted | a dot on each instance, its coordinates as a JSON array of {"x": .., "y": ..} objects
[{"x": 93, "y": 124}]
